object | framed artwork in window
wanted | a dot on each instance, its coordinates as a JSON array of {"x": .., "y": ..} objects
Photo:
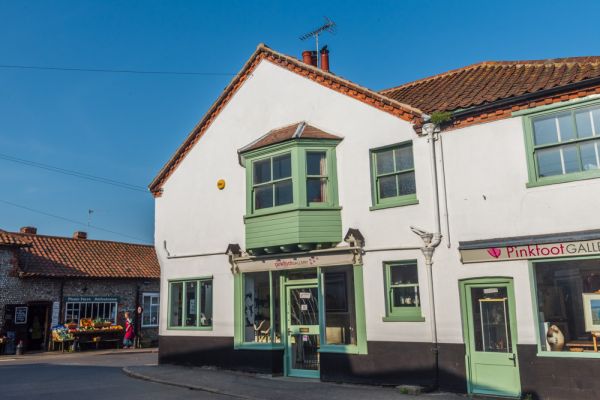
[{"x": 591, "y": 309}]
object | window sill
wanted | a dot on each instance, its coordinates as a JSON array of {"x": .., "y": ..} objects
[
  {"x": 563, "y": 179},
  {"x": 567, "y": 354},
  {"x": 189, "y": 328},
  {"x": 258, "y": 346},
  {"x": 149, "y": 326},
  {"x": 408, "y": 318},
  {"x": 399, "y": 203}
]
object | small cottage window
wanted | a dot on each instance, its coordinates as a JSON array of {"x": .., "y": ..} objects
[
  {"x": 393, "y": 176},
  {"x": 403, "y": 298},
  {"x": 190, "y": 304},
  {"x": 151, "y": 305}
]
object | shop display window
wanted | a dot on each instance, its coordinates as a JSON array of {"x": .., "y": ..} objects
[
  {"x": 340, "y": 310},
  {"x": 74, "y": 311},
  {"x": 403, "y": 299},
  {"x": 151, "y": 306},
  {"x": 190, "y": 304},
  {"x": 261, "y": 307},
  {"x": 568, "y": 302}
]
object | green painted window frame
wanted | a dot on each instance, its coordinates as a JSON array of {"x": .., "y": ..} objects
[
  {"x": 239, "y": 317},
  {"x": 544, "y": 111},
  {"x": 272, "y": 182},
  {"x": 397, "y": 201},
  {"x": 536, "y": 320},
  {"x": 183, "y": 281},
  {"x": 398, "y": 314},
  {"x": 298, "y": 150}
]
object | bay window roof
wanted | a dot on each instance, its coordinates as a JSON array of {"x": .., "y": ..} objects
[{"x": 299, "y": 130}]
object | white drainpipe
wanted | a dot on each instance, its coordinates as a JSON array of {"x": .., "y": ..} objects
[{"x": 432, "y": 240}]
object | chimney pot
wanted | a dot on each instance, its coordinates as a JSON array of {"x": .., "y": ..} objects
[
  {"x": 325, "y": 59},
  {"x": 31, "y": 230},
  {"x": 309, "y": 57},
  {"x": 80, "y": 235}
]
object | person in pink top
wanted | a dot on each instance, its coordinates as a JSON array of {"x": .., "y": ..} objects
[{"x": 129, "y": 332}]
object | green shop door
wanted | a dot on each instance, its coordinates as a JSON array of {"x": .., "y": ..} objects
[
  {"x": 489, "y": 327},
  {"x": 302, "y": 344}
]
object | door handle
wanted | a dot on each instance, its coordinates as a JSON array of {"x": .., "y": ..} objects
[{"x": 513, "y": 358}]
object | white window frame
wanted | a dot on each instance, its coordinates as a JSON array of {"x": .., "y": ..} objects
[
  {"x": 73, "y": 308},
  {"x": 152, "y": 306}
]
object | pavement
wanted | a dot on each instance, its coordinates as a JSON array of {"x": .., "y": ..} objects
[{"x": 265, "y": 387}]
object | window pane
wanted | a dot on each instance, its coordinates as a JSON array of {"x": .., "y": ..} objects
[
  {"x": 544, "y": 131},
  {"x": 206, "y": 308},
  {"x": 282, "y": 166},
  {"x": 262, "y": 171},
  {"x": 283, "y": 193},
  {"x": 567, "y": 131},
  {"x": 404, "y": 158},
  {"x": 565, "y": 292},
  {"x": 316, "y": 190},
  {"x": 277, "y": 306},
  {"x": 571, "y": 158},
  {"x": 385, "y": 161},
  {"x": 388, "y": 187},
  {"x": 176, "y": 304},
  {"x": 589, "y": 159},
  {"x": 549, "y": 162},
  {"x": 191, "y": 306},
  {"x": 340, "y": 310},
  {"x": 406, "y": 184},
  {"x": 404, "y": 274},
  {"x": 596, "y": 117},
  {"x": 257, "y": 307},
  {"x": 406, "y": 297},
  {"x": 316, "y": 163},
  {"x": 263, "y": 197},
  {"x": 584, "y": 123},
  {"x": 491, "y": 320}
]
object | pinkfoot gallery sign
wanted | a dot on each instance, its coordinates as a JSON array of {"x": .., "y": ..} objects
[{"x": 531, "y": 251}]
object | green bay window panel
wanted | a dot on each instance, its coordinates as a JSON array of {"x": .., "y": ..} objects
[
  {"x": 393, "y": 175},
  {"x": 272, "y": 182},
  {"x": 563, "y": 145},
  {"x": 190, "y": 304},
  {"x": 316, "y": 177},
  {"x": 403, "y": 298}
]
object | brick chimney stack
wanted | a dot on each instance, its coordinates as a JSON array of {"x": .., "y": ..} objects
[
  {"x": 80, "y": 235},
  {"x": 309, "y": 57},
  {"x": 325, "y": 59},
  {"x": 30, "y": 230}
]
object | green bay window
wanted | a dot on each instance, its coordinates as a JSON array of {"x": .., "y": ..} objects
[
  {"x": 272, "y": 182},
  {"x": 190, "y": 304},
  {"x": 403, "y": 298},
  {"x": 563, "y": 144},
  {"x": 393, "y": 176}
]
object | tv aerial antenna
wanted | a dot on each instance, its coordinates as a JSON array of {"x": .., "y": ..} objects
[{"x": 328, "y": 26}]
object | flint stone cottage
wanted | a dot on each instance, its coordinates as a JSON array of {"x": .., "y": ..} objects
[
  {"x": 444, "y": 232},
  {"x": 50, "y": 280}
]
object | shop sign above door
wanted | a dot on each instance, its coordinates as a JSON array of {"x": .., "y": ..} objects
[
  {"x": 254, "y": 264},
  {"x": 530, "y": 251},
  {"x": 91, "y": 299}
]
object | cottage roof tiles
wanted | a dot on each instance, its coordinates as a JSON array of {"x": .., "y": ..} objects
[
  {"x": 53, "y": 256},
  {"x": 490, "y": 81},
  {"x": 299, "y": 130}
]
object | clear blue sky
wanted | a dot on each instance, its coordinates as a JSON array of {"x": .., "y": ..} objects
[{"x": 125, "y": 127}]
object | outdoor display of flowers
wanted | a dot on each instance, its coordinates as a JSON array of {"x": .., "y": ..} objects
[{"x": 64, "y": 332}]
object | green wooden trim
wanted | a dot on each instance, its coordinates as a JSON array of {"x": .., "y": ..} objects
[
  {"x": 466, "y": 310},
  {"x": 396, "y": 314},
  {"x": 397, "y": 201},
  {"x": 531, "y": 148},
  {"x": 258, "y": 346},
  {"x": 341, "y": 349},
  {"x": 198, "y": 281},
  {"x": 359, "y": 305},
  {"x": 558, "y": 106}
]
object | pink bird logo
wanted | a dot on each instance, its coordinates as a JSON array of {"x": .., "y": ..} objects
[{"x": 494, "y": 252}]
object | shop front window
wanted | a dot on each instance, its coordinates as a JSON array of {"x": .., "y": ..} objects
[
  {"x": 340, "y": 310},
  {"x": 190, "y": 304},
  {"x": 74, "y": 311},
  {"x": 260, "y": 305},
  {"x": 568, "y": 301}
]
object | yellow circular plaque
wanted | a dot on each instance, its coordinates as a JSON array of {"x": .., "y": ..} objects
[{"x": 221, "y": 184}]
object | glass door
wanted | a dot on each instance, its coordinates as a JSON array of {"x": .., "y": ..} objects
[
  {"x": 302, "y": 349},
  {"x": 490, "y": 338}
]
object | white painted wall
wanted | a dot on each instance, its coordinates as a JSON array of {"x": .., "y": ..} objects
[{"x": 486, "y": 174}]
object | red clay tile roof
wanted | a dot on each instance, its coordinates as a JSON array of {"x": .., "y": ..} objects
[
  {"x": 8, "y": 239},
  {"x": 487, "y": 82},
  {"x": 299, "y": 130},
  {"x": 317, "y": 75},
  {"x": 53, "y": 256}
]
